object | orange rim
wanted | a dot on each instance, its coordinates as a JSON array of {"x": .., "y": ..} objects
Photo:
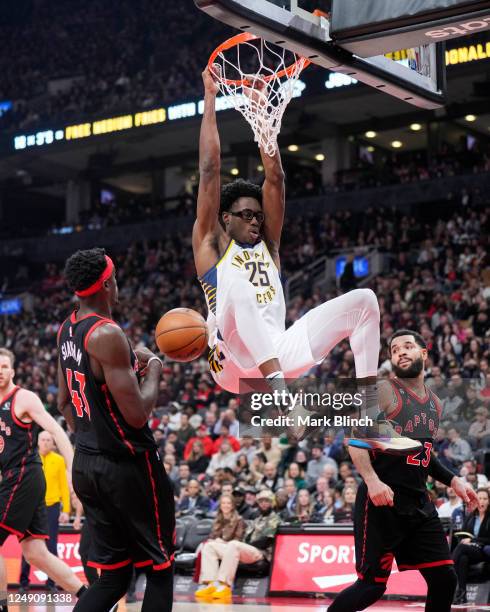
[{"x": 246, "y": 37}]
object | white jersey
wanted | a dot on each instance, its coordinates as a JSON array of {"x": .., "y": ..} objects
[{"x": 255, "y": 264}]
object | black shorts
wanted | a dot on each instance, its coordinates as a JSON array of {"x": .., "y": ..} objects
[
  {"x": 22, "y": 504},
  {"x": 412, "y": 534},
  {"x": 129, "y": 507}
]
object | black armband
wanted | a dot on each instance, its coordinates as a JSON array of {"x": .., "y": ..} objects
[{"x": 440, "y": 472}]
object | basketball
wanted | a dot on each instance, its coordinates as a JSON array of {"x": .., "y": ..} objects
[{"x": 181, "y": 334}]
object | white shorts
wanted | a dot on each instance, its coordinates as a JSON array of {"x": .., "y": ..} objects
[{"x": 292, "y": 348}]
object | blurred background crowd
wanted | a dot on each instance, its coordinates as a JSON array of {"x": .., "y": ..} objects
[
  {"x": 436, "y": 283},
  {"x": 76, "y": 62}
]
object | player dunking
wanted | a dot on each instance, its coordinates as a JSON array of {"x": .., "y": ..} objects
[
  {"x": 23, "y": 487},
  {"x": 117, "y": 472},
  {"x": 394, "y": 517},
  {"x": 236, "y": 239}
]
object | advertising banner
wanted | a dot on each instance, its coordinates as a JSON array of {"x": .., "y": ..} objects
[{"x": 325, "y": 563}]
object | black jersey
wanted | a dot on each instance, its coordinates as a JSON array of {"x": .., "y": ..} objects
[
  {"x": 414, "y": 417},
  {"x": 18, "y": 440},
  {"x": 100, "y": 426}
]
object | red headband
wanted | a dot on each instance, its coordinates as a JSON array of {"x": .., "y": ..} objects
[{"x": 97, "y": 286}]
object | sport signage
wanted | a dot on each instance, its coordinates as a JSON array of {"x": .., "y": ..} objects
[{"x": 325, "y": 563}]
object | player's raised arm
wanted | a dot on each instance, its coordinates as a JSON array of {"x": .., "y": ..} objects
[
  {"x": 273, "y": 201},
  {"x": 208, "y": 197},
  {"x": 109, "y": 346}
]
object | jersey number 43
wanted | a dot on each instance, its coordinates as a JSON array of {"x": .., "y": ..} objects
[{"x": 78, "y": 398}]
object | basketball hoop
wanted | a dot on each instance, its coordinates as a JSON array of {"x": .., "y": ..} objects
[{"x": 259, "y": 80}]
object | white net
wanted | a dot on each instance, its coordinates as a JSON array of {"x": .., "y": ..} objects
[{"x": 260, "y": 79}]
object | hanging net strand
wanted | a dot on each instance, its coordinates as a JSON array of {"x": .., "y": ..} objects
[{"x": 260, "y": 80}]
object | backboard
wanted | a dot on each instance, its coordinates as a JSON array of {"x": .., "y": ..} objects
[{"x": 288, "y": 24}]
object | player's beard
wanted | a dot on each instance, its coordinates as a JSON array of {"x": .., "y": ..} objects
[{"x": 412, "y": 371}]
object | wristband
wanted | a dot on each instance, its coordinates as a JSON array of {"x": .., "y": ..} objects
[{"x": 154, "y": 358}]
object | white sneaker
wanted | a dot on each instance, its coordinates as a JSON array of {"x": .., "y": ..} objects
[{"x": 384, "y": 438}]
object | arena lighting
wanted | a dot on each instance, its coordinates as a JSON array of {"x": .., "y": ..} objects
[
  {"x": 337, "y": 79},
  {"x": 293, "y": 148},
  {"x": 260, "y": 168},
  {"x": 415, "y": 127},
  {"x": 94, "y": 128},
  {"x": 470, "y": 118},
  {"x": 370, "y": 134},
  {"x": 319, "y": 157},
  {"x": 234, "y": 171},
  {"x": 370, "y": 149},
  {"x": 397, "y": 144}
]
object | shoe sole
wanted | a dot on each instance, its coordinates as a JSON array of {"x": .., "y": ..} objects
[{"x": 385, "y": 447}]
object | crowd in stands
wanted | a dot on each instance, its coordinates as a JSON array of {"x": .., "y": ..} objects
[
  {"x": 413, "y": 166},
  {"x": 102, "y": 57},
  {"x": 437, "y": 283},
  {"x": 302, "y": 182}
]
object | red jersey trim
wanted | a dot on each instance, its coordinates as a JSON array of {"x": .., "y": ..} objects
[
  {"x": 421, "y": 400},
  {"x": 93, "y": 328},
  {"x": 163, "y": 566},
  {"x": 15, "y": 418},
  {"x": 11, "y": 530},
  {"x": 382, "y": 579},
  {"x": 364, "y": 530},
  {"x": 149, "y": 562},
  {"x": 437, "y": 402},
  {"x": 110, "y": 566},
  {"x": 73, "y": 316},
  {"x": 424, "y": 565},
  {"x": 113, "y": 416},
  {"x": 157, "y": 516},
  {"x": 21, "y": 474},
  {"x": 38, "y": 536},
  {"x": 143, "y": 563},
  {"x": 59, "y": 331},
  {"x": 9, "y": 394}
]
